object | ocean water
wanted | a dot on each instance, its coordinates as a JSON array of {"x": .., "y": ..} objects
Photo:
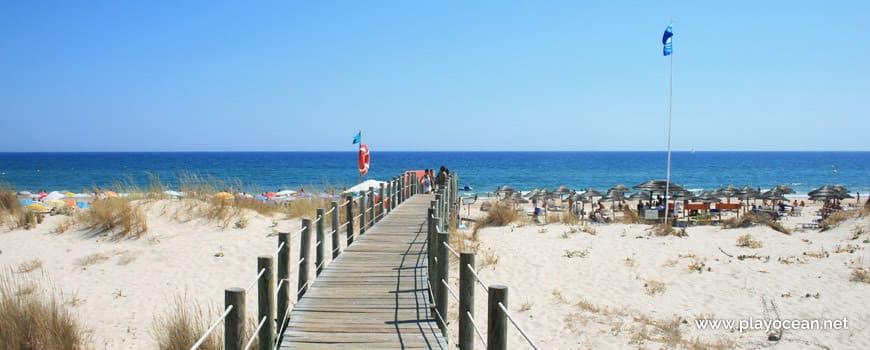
[{"x": 483, "y": 171}]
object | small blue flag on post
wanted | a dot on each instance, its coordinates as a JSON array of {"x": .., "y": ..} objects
[
  {"x": 666, "y": 41},
  {"x": 357, "y": 137}
]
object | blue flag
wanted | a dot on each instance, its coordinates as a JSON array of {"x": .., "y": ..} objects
[
  {"x": 666, "y": 41},
  {"x": 357, "y": 137}
]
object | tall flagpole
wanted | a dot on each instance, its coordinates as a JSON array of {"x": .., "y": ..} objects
[{"x": 670, "y": 108}]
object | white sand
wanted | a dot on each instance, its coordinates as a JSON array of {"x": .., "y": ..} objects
[
  {"x": 621, "y": 259},
  {"x": 117, "y": 301}
]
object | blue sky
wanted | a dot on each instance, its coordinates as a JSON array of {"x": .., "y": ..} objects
[{"x": 447, "y": 75}]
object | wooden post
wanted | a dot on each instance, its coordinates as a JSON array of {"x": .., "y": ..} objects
[
  {"x": 394, "y": 194},
  {"x": 336, "y": 244},
  {"x": 362, "y": 213},
  {"x": 412, "y": 184},
  {"x": 234, "y": 324},
  {"x": 443, "y": 276},
  {"x": 304, "y": 258},
  {"x": 466, "y": 300},
  {"x": 402, "y": 192},
  {"x": 431, "y": 252},
  {"x": 283, "y": 275},
  {"x": 388, "y": 205},
  {"x": 381, "y": 204},
  {"x": 372, "y": 214},
  {"x": 349, "y": 201},
  {"x": 265, "y": 301},
  {"x": 438, "y": 207},
  {"x": 320, "y": 245},
  {"x": 496, "y": 330}
]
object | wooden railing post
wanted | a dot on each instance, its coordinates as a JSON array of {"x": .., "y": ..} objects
[
  {"x": 381, "y": 204},
  {"x": 373, "y": 214},
  {"x": 394, "y": 194},
  {"x": 466, "y": 300},
  {"x": 265, "y": 302},
  {"x": 443, "y": 276},
  {"x": 431, "y": 252},
  {"x": 234, "y": 324},
  {"x": 320, "y": 245},
  {"x": 304, "y": 258},
  {"x": 283, "y": 275},
  {"x": 336, "y": 244},
  {"x": 438, "y": 206},
  {"x": 496, "y": 330},
  {"x": 362, "y": 213},
  {"x": 349, "y": 204},
  {"x": 402, "y": 192},
  {"x": 388, "y": 205}
]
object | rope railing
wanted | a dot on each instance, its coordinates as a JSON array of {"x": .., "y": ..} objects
[
  {"x": 256, "y": 330},
  {"x": 450, "y": 249},
  {"x": 438, "y": 314},
  {"x": 285, "y": 318},
  {"x": 280, "y": 246},
  {"x": 254, "y": 282},
  {"x": 306, "y": 285},
  {"x": 449, "y": 289},
  {"x": 476, "y": 328},
  {"x": 477, "y": 278},
  {"x": 212, "y": 328},
  {"x": 278, "y": 289},
  {"x": 266, "y": 275},
  {"x": 517, "y": 326}
]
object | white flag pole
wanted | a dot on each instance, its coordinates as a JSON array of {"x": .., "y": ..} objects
[{"x": 670, "y": 108}]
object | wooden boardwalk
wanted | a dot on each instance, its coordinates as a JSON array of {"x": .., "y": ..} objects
[{"x": 374, "y": 296}]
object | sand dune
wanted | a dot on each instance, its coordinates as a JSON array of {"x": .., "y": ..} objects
[{"x": 625, "y": 288}]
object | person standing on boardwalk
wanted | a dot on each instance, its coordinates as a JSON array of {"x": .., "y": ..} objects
[
  {"x": 426, "y": 181},
  {"x": 441, "y": 179}
]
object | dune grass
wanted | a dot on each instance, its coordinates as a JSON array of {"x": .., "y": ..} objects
[
  {"x": 180, "y": 326},
  {"x": 117, "y": 215},
  {"x": 31, "y": 318},
  {"x": 30, "y": 266},
  {"x": 835, "y": 218},
  {"x": 860, "y": 274},
  {"x": 500, "y": 214},
  {"x": 748, "y": 241},
  {"x": 750, "y": 219}
]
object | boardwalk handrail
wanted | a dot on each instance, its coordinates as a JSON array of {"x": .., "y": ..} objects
[
  {"x": 442, "y": 216},
  {"x": 269, "y": 295}
]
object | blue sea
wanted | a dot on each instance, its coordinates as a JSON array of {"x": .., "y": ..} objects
[{"x": 483, "y": 171}]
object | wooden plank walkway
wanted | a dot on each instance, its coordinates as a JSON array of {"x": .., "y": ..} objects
[{"x": 374, "y": 296}]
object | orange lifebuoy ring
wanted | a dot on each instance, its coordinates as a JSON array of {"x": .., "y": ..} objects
[{"x": 364, "y": 159}]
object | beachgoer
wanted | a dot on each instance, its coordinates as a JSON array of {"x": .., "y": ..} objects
[
  {"x": 426, "y": 182},
  {"x": 803, "y": 204},
  {"x": 441, "y": 179}
]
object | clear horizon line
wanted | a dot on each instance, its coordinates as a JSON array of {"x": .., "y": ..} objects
[{"x": 433, "y": 151}]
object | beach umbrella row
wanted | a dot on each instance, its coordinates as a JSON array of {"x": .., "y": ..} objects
[{"x": 828, "y": 192}]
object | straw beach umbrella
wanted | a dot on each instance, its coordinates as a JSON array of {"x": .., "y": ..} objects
[
  {"x": 505, "y": 190},
  {"x": 709, "y": 197},
  {"x": 728, "y": 192},
  {"x": 640, "y": 196},
  {"x": 784, "y": 189}
]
